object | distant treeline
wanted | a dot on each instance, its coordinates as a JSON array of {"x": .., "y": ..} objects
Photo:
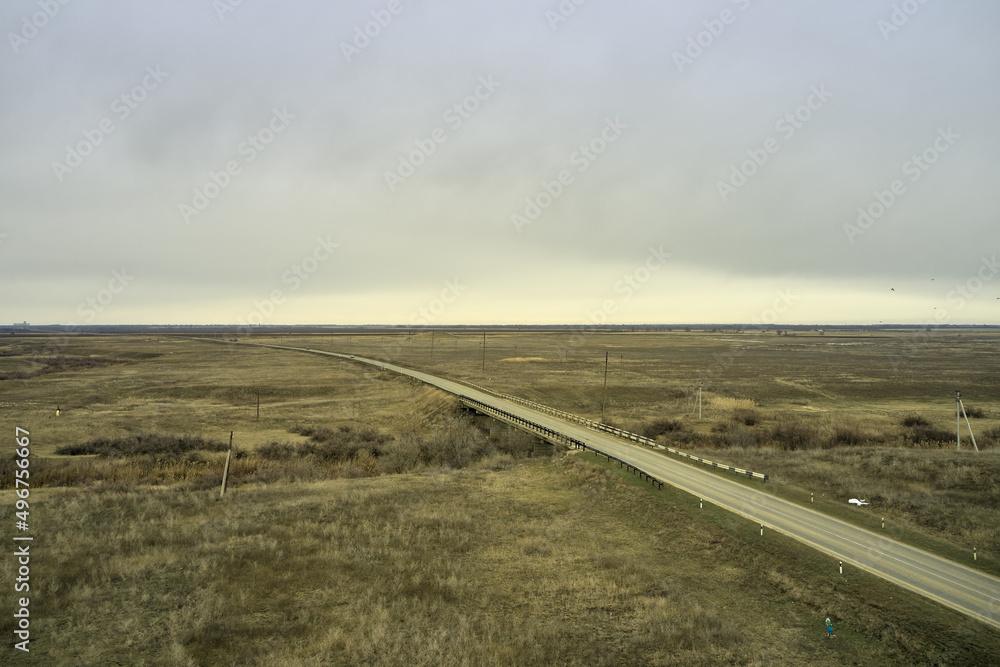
[{"x": 235, "y": 330}]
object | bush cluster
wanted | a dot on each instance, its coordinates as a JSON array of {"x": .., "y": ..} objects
[
  {"x": 156, "y": 444},
  {"x": 454, "y": 443},
  {"x": 344, "y": 451},
  {"x": 326, "y": 444},
  {"x": 661, "y": 426},
  {"x": 746, "y": 428}
]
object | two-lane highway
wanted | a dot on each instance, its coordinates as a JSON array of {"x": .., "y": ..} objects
[{"x": 954, "y": 585}]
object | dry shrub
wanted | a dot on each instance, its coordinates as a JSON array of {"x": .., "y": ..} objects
[
  {"x": 454, "y": 444},
  {"x": 661, "y": 426},
  {"x": 746, "y": 416},
  {"x": 849, "y": 436},
  {"x": 927, "y": 436},
  {"x": 159, "y": 444},
  {"x": 340, "y": 444},
  {"x": 277, "y": 451},
  {"x": 401, "y": 455},
  {"x": 516, "y": 443},
  {"x": 794, "y": 435},
  {"x": 737, "y": 435}
]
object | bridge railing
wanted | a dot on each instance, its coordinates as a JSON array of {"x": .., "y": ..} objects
[
  {"x": 554, "y": 436},
  {"x": 621, "y": 433}
]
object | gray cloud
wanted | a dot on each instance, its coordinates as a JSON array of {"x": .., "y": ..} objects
[{"x": 656, "y": 184}]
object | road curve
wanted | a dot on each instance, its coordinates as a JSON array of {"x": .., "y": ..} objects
[{"x": 961, "y": 588}]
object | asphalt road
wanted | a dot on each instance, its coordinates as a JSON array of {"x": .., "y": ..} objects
[{"x": 949, "y": 583}]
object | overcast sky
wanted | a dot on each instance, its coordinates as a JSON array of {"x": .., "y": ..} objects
[{"x": 524, "y": 161}]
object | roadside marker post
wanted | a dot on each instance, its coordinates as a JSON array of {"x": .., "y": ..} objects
[{"x": 841, "y": 567}]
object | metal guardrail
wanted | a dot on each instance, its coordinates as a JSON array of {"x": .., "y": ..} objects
[
  {"x": 553, "y": 435},
  {"x": 597, "y": 426},
  {"x": 621, "y": 433}
]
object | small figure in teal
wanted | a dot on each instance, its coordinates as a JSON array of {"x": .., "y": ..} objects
[{"x": 829, "y": 628}]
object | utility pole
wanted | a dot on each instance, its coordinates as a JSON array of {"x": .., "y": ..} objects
[
  {"x": 958, "y": 419},
  {"x": 959, "y": 413},
  {"x": 225, "y": 472},
  {"x": 432, "y": 344},
  {"x": 604, "y": 395},
  {"x": 484, "y": 351},
  {"x": 258, "y": 404}
]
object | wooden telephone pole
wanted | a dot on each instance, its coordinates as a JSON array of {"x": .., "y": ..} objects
[
  {"x": 959, "y": 413},
  {"x": 225, "y": 472},
  {"x": 604, "y": 395}
]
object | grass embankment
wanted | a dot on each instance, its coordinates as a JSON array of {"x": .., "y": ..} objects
[
  {"x": 541, "y": 563},
  {"x": 532, "y": 564}
]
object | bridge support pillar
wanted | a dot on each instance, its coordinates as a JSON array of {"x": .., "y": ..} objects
[{"x": 543, "y": 448}]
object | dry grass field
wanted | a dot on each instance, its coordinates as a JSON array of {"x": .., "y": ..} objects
[
  {"x": 368, "y": 523},
  {"x": 822, "y": 414}
]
